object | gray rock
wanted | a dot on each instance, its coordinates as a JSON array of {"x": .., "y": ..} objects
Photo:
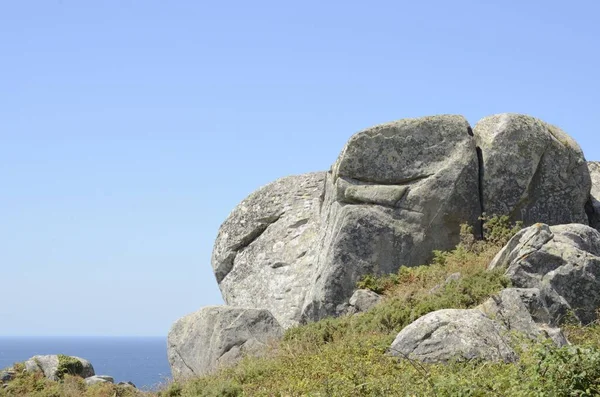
[
  {"x": 7, "y": 375},
  {"x": 532, "y": 171},
  {"x": 265, "y": 253},
  {"x": 49, "y": 365},
  {"x": 523, "y": 310},
  {"x": 127, "y": 384},
  {"x": 563, "y": 262},
  {"x": 363, "y": 299},
  {"x": 454, "y": 334},
  {"x": 397, "y": 192},
  {"x": 218, "y": 336},
  {"x": 593, "y": 205},
  {"x": 92, "y": 380}
]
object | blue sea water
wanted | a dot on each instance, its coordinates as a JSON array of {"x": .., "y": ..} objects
[{"x": 141, "y": 360}]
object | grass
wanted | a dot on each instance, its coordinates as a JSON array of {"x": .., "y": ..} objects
[
  {"x": 346, "y": 356},
  {"x": 37, "y": 385}
]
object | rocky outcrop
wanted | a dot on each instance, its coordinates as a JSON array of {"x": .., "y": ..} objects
[
  {"x": 218, "y": 336},
  {"x": 532, "y": 171},
  {"x": 562, "y": 262},
  {"x": 593, "y": 205},
  {"x": 55, "y": 366},
  {"x": 481, "y": 333},
  {"x": 454, "y": 334},
  {"x": 294, "y": 249},
  {"x": 265, "y": 253},
  {"x": 523, "y": 310},
  {"x": 397, "y": 192}
]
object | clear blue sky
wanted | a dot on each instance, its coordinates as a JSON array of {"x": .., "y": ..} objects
[{"x": 130, "y": 129}]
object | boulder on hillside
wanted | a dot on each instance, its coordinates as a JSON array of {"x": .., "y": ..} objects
[
  {"x": 454, "y": 334},
  {"x": 92, "y": 380},
  {"x": 7, "y": 375},
  {"x": 523, "y": 310},
  {"x": 397, "y": 192},
  {"x": 55, "y": 366},
  {"x": 218, "y": 336},
  {"x": 532, "y": 171},
  {"x": 363, "y": 300},
  {"x": 562, "y": 262},
  {"x": 265, "y": 253},
  {"x": 593, "y": 207}
]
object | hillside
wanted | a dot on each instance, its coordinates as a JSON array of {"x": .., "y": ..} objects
[
  {"x": 433, "y": 258},
  {"x": 348, "y": 356}
]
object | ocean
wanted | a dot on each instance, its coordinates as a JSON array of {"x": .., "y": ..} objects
[{"x": 141, "y": 360}]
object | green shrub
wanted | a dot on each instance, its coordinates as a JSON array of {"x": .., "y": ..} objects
[
  {"x": 68, "y": 365},
  {"x": 498, "y": 230}
]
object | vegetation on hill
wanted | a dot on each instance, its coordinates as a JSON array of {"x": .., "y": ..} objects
[
  {"x": 346, "y": 356},
  {"x": 37, "y": 385}
]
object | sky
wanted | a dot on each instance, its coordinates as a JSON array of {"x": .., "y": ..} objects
[{"x": 130, "y": 129}]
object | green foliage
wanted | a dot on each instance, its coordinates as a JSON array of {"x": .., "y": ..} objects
[
  {"x": 568, "y": 371},
  {"x": 346, "y": 356},
  {"x": 37, "y": 385},
  {"x": 68, "y": 365},
  {"x": 498, "y": 230}
]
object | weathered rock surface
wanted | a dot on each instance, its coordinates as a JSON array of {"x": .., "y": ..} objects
[
  {"x": 216, "y": 336},
  {"x": 362, "y": 300},
  {"x": 563, "y": 262},
  {"x": 265, "y": 253},
  {"x": 523, "y": 310},
  {"x": 397, "y": 192},
  {"x": 454, "y": 334},
  {"x": 532, "y": 171},
  {"x": 593, "y": 206},
  {"x": 92, "y": 380},
  {"x": 49, "y": 365}
]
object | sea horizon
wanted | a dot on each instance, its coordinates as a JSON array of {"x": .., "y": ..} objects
[{"x": 138, "y": 359}]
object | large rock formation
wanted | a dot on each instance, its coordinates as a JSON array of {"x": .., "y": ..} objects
[
  {"x": 532, "y": 171},
  {"x": 593, "y": 205},
  {"x": 562, "y": 262},
  {"x": 397, "y": 192},
  {"x": 265, "y": 254},
  {"x": 296, "y": 248},
  {"x": 218, "y": 336}
]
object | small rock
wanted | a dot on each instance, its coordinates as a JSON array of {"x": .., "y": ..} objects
[
  {"x": 363, "y": 299},
  {"x": 449, "y": 279},
  {"x": 127, "y": 384},
  {"x": 92, "y": 380},
  {"x": 7, "y": 375}
]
